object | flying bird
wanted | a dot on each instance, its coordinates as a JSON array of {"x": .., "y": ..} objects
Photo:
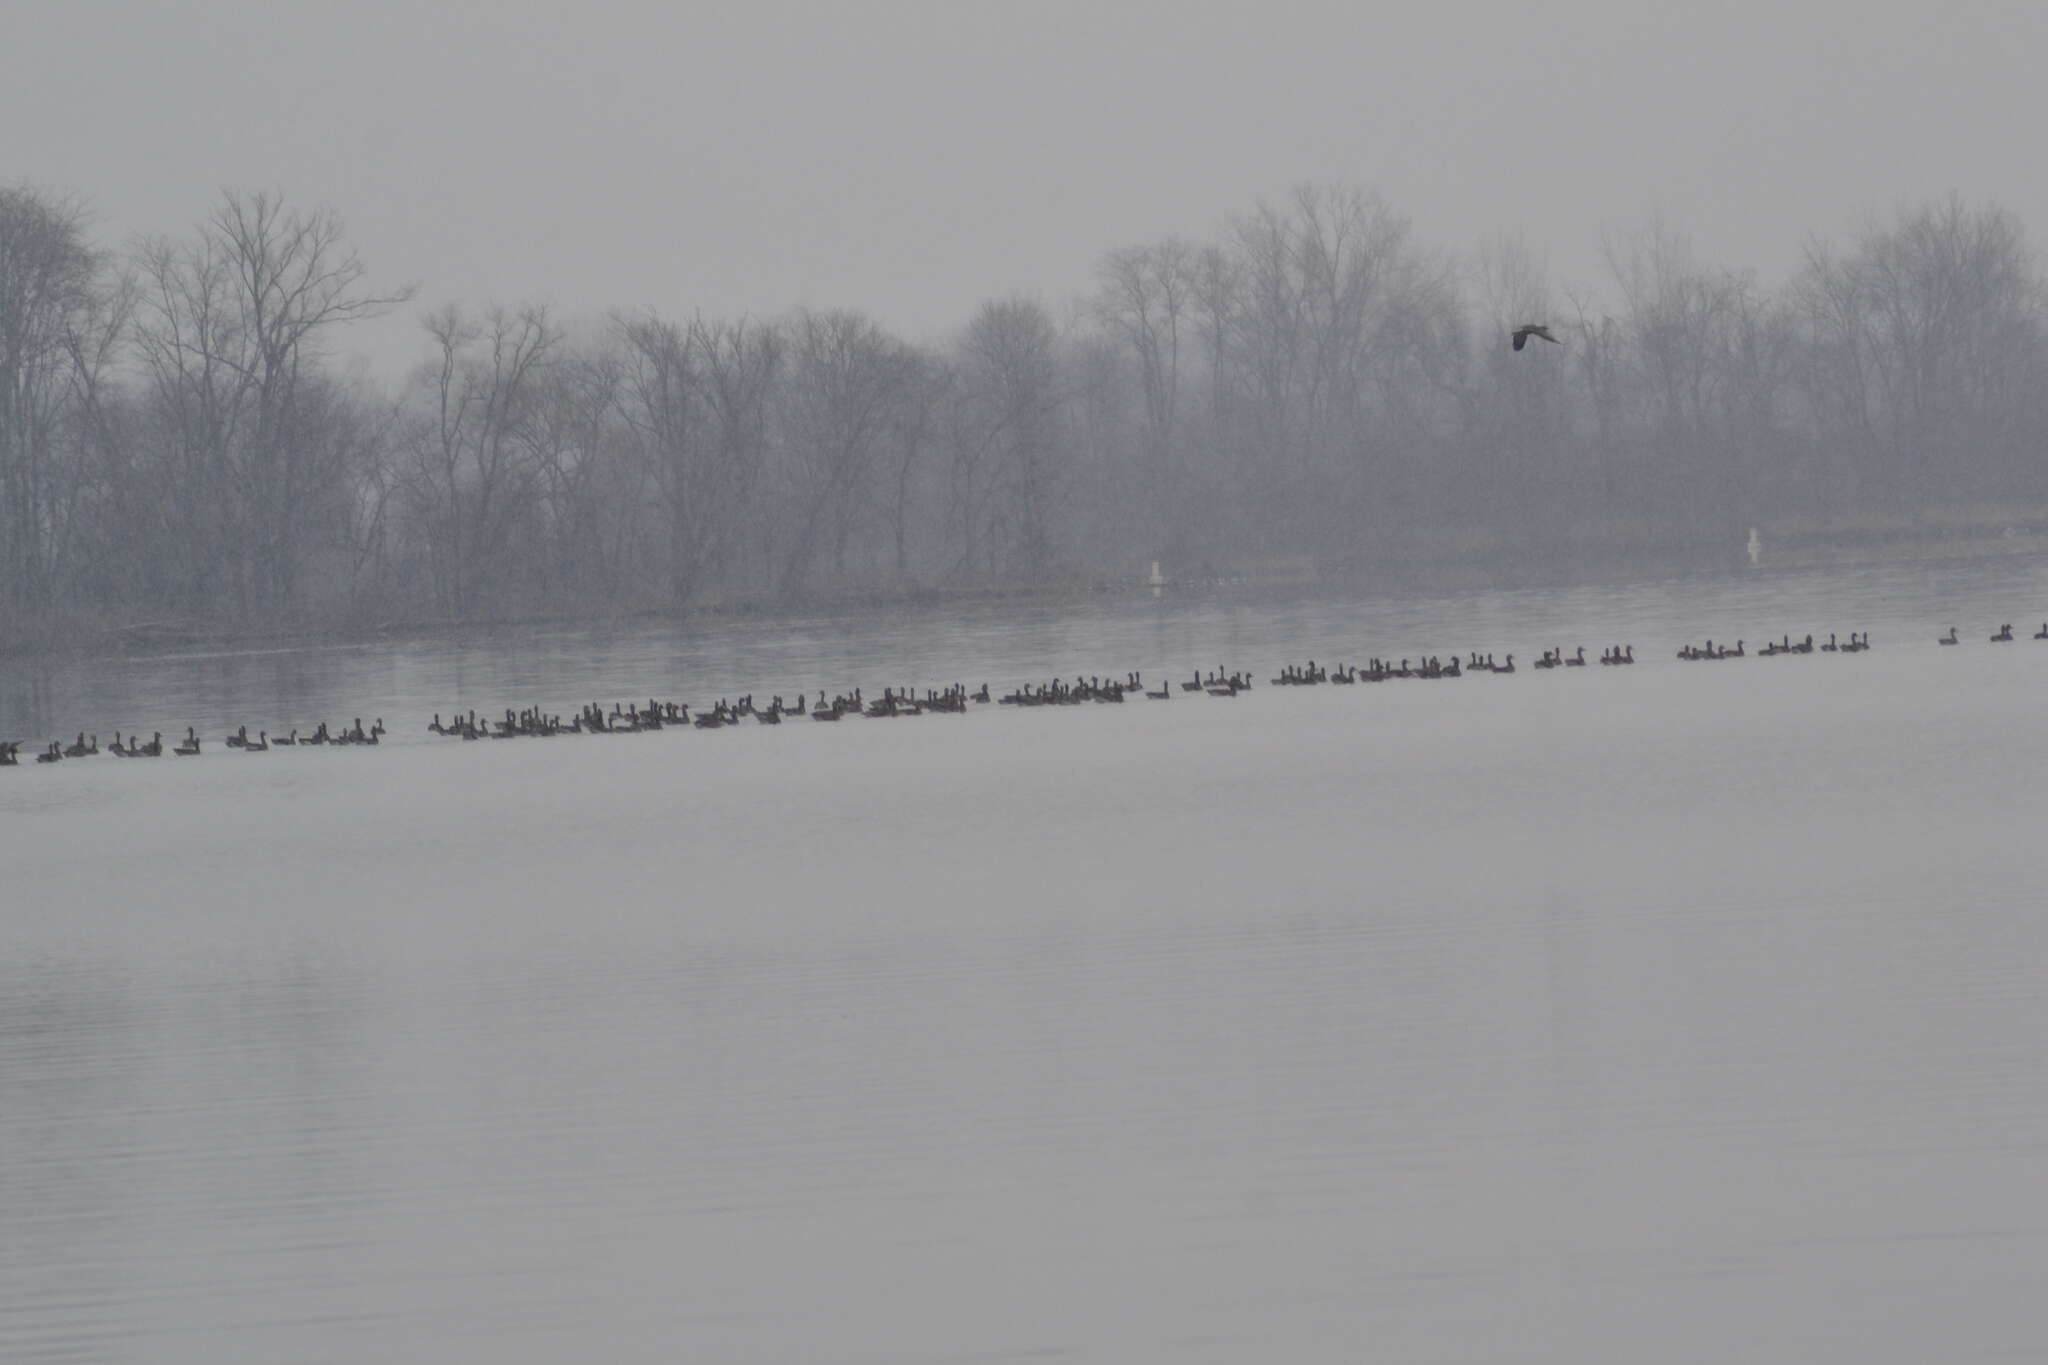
[{"x": 1533, "y": 329}]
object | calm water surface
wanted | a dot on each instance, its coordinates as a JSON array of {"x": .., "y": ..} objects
[{"x": 1687, "y": 1012}]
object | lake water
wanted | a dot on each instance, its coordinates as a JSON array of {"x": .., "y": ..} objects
[{"x": 1688, "y": 1012}]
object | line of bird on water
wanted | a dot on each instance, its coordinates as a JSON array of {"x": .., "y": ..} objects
[
  {"x": 631, "y": 718},
  {"x": 88, "y": 746},
  {"x": 2003, "y": 637},
  {"x": 1857, "y": 643}
]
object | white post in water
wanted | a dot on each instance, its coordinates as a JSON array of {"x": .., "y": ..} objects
[
  {"x": 1158, "y": 580},
  {"x": 1756, "y": 545}
]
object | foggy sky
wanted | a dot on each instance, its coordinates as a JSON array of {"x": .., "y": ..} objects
[{"x": 914, "y": 159}]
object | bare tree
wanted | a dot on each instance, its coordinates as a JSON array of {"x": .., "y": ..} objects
[
  {"x": 1147, "y": 299},
  {"x": 473, "y": 443},
  {"x": 1010, "y": 378},
  {"x": 231, "y": 332},
  {"x": 1951, "y": 318},
  {"x": 842, "y": 397},
  {"x": 1680, "y": 319},
  {"x": 1601, "y": 362},
  {"x": 1269, "y": 328},
  {"x": 1522, "y": 422},
  {"x": 59, "y": 318},
  {"x": 372, "y": 573},
  {"x": 696, "y": 399},
  {"x": 591, "y": 495},
  {"x": 912, "y": 434}
]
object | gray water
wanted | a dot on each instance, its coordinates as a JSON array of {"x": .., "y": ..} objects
[{"x": 1683, "y": 1012}]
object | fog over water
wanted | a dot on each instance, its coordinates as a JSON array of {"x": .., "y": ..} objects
[{"x": 1683, "y": 1012}]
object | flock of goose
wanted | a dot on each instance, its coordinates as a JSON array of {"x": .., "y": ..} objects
[
  {"x": 632, "y": 718},
  {"x": 1855, "y": 644},
  {"x": 2003, "y": 637},
  {"x": 134, "y": 746}
]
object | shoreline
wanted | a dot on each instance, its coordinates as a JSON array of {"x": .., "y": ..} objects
[{"x": 1438, "y": 563}]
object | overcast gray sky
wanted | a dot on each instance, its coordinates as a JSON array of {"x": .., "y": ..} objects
[{"x": 912, "y": 159}]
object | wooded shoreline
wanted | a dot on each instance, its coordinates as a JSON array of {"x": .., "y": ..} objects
[
  {"x": 1981, "y": 535},
  {"x": 1315, "y": 395}
]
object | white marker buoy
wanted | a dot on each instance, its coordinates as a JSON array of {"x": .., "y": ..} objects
[
  {"x": 1756, "y": 546},
  {"x": 1158, "y": 580}
]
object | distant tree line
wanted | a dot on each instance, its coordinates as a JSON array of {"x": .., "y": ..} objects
[{"x": 1315, "y": 387}]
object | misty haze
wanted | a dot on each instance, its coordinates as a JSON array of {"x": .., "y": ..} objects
[{"x": 998, "y": 682}]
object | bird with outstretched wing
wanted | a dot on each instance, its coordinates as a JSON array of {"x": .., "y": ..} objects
[{"x": 1533, "y": 329}]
